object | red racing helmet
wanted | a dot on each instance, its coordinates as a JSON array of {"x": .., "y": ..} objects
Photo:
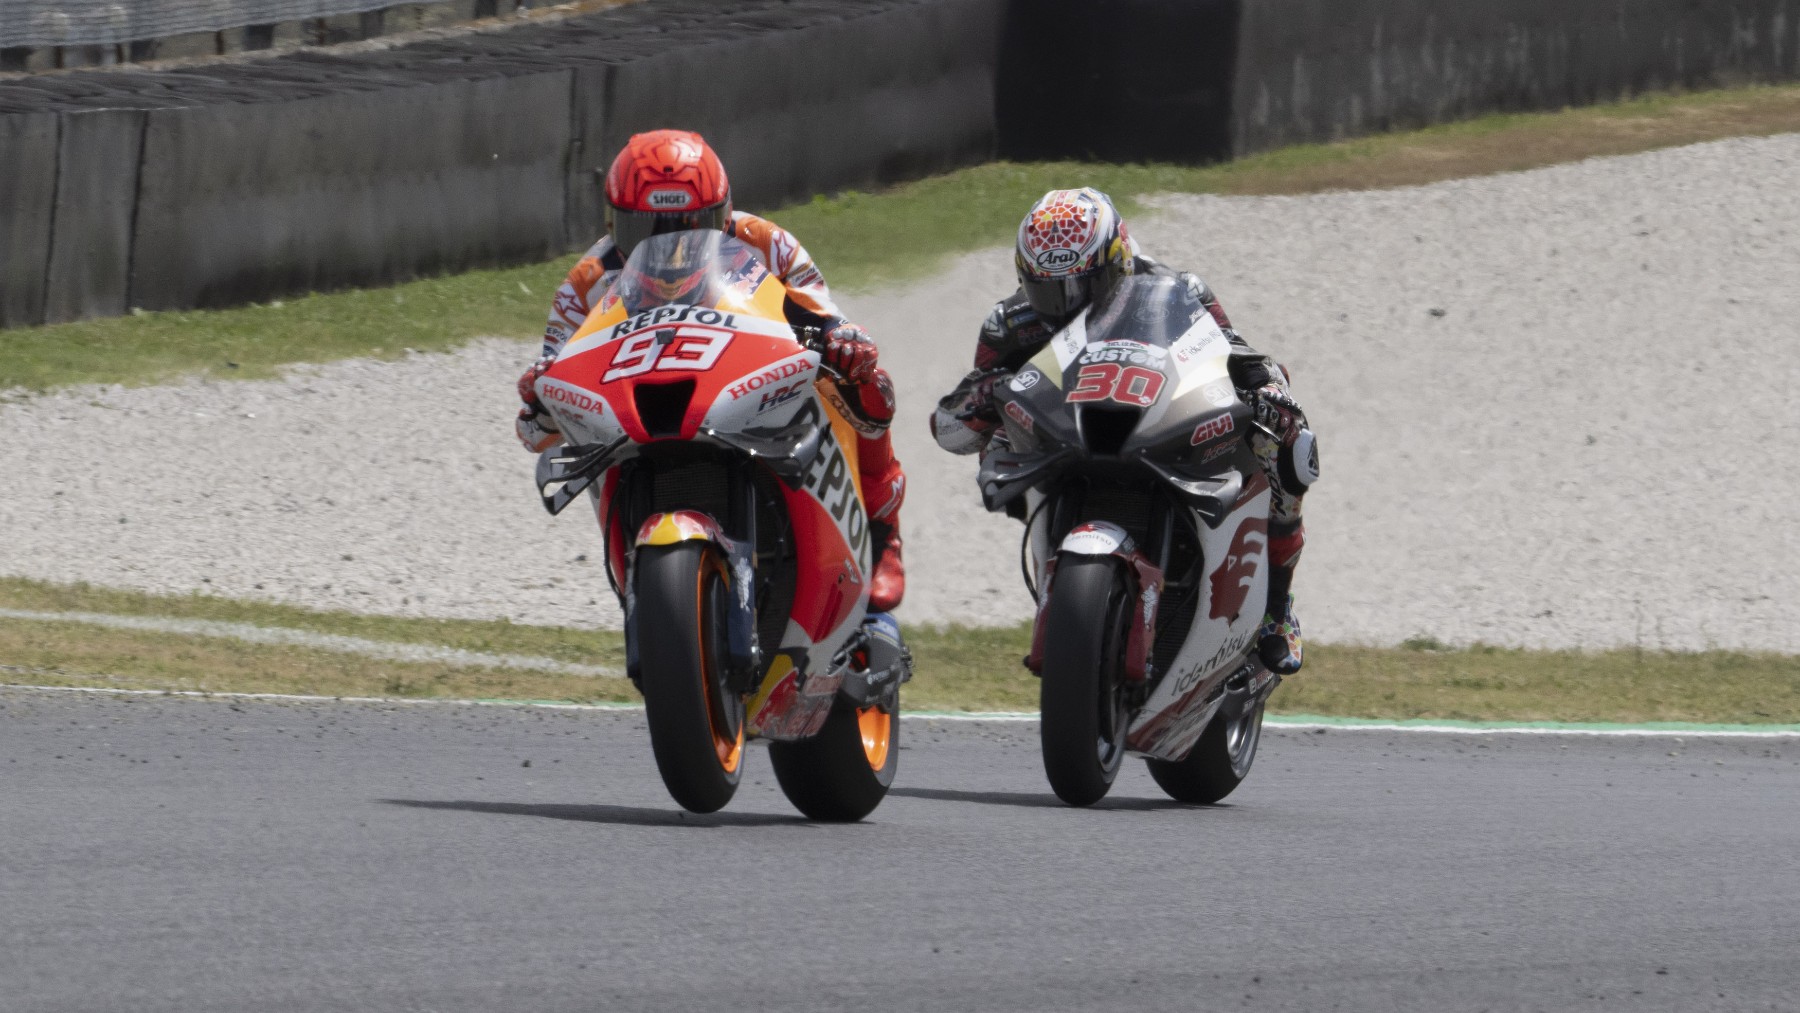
[{"x": 665, "y": 181}]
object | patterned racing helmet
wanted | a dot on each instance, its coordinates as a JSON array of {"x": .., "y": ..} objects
[
  {"x": 665, "y": 181},
  {"x": 1073, "y": 248}
]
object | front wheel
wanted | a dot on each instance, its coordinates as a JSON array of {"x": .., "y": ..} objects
[
  {"x": 841, "y": 774},
  {"x": 1084, "y": 714},
  {"x": 1219, "y": 762},
  {"x": 696, "y": 721}
]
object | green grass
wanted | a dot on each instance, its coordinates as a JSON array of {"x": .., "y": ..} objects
[
  {"x": 956, "y": 669},
  {"x": 859, "y": 239}
]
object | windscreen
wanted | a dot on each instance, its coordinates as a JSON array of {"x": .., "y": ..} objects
[
  {"x": 704, "y": 267},
  {"x": 1150, "y": 309}
]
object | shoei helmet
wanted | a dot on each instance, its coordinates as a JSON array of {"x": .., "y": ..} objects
[
  {"x": 665, "y": 181},
  {"x": 1073, "y": 248}
]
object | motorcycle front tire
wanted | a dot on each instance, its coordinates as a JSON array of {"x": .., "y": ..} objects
[
  {"x": 1083, "y": 720},
  {"x": 696, "y": 720}
]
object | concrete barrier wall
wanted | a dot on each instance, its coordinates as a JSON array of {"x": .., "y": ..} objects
[
  {"x": 229, "y": 182},
  {"x": 1312, "y": 70},
  {"x": 217, "y": 184},
  {"x": 349, "y": 190},
  {"x": 28, "y": 142}
]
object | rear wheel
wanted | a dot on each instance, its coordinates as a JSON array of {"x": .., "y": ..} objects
[
  {"x": 1219, "y": 762},
  {"x": 696, "y": 721},
  {"x": 1084, "y": 714},
  {"x": 842, "y": 773}
]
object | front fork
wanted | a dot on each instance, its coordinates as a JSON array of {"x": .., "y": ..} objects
[
  {"x": 1143, "y": 578},
  {"x": 743, "y": 662}
]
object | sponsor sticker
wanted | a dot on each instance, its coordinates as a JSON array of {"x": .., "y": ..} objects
[
  {"x": 1025, "y": 380},
  {"x": 1213, "y": 428},
  {"x": 784, "y": 370},
  {"x": 1219, "y": 394},
  {"x": 1019, "y": 415},
  {"x": 670, "y": 200}
]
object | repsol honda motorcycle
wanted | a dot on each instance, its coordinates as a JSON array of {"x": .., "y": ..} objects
[
  {"x": 722, "y": 465},
  {"x": 1146, "y": 520}
]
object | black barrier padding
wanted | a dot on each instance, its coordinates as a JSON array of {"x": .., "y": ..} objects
[
  {"x": 1319, "y": 69},
  {"x": 27, "y": 194},
  {"x": 829, "y": 106},
  {"x": 349, "y": 190},
  {"x": 96, "y": 195},
  {"x": 1146, "y": 81}
]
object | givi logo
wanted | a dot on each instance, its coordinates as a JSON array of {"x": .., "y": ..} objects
[{"x": 1231, "y": 581}]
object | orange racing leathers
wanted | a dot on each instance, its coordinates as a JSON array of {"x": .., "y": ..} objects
[{"x": 808, "y": 303}]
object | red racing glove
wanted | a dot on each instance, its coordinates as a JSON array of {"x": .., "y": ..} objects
[
  {"x": 534, "y": 427},
  {"x": 851, "y": 352}
]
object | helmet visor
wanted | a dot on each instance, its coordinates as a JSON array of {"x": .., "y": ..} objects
[
  {"x": 1058, "y": 299},
  {"x": 630, "y": 228}
]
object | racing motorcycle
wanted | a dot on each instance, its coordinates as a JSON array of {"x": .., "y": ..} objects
[
  {"x": 721, "y": 460},
  {"x": 1146, "y": 512}
]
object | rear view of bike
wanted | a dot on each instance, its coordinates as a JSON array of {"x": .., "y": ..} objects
[
  {"x": 725, "y": 483},
  {"x": 1146, "y": 514}
]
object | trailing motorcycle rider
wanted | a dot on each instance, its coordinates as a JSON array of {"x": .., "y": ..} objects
[
  {"x": 1072, "y": 249},
  {"x": 672, "y": 180}
]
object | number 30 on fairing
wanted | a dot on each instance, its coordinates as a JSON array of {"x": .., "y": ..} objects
[{"x": 1108, "y": 381}]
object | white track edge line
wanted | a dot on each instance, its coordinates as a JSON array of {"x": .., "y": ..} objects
[
  {"x": 994, "y": 717},
  {"x": 381, "y": 650}
]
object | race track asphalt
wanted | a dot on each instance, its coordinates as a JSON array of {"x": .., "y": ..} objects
[{"x": 192, "y": 855}]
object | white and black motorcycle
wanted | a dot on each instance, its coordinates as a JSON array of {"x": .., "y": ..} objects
[{"x": 1126, "y": 452}]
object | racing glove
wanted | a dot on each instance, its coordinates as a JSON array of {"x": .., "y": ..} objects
[
  {"x": 534, "y": 426},
  {"x": 851, "y": 352},
  {"x": 1277, "y": 411}
]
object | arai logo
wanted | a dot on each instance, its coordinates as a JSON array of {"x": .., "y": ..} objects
[
  {"x": 1057, "y": 260},
  {"x": 666, "y": 199}
]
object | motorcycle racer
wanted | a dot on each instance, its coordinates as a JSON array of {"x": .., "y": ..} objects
[
  {"x": 670, "y": 181},
  {"x": 1072, "y": 248}
]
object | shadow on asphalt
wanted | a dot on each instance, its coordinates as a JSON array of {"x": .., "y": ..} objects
[
  {"x": 1045, "y": 801},
  {"x": 619, "y": 815}
]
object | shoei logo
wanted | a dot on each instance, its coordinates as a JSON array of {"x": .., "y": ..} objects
[
  {"x": 1057, "y": 260},
  {"x": 663, "y": 200}
]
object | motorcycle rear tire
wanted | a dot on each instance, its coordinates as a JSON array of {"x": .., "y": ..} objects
[
  {"x": 1218, "y": 763},
  {"x": 841, "y": 774},
  {"x": 1083, "y": 721},
  {"x": 696, "y": 721}
]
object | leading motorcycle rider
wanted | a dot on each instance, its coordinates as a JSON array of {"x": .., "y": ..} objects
[
  {"x": 672, "y": 181},
  {"x": 1072, "y": 250}
]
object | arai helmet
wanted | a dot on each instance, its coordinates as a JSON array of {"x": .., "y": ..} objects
[{"x": 1072, "y": 249}]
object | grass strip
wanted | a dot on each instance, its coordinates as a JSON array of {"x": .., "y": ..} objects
[
  {"x": 860, "y": 239},
  {"x": 958, "y": 669}
]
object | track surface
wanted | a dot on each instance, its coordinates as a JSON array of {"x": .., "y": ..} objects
[{"x": 170, "y": 854}]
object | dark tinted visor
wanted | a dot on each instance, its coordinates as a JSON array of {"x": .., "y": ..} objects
[
  {"x": 630, "y": 228},
  {"x": 1058, "y": 298}
]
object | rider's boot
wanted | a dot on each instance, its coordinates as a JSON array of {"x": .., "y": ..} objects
[
  {"x": 884, "y": 488},
  {"x": 888, "y": 583},
  {"x": 1278, "y": 642}
]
